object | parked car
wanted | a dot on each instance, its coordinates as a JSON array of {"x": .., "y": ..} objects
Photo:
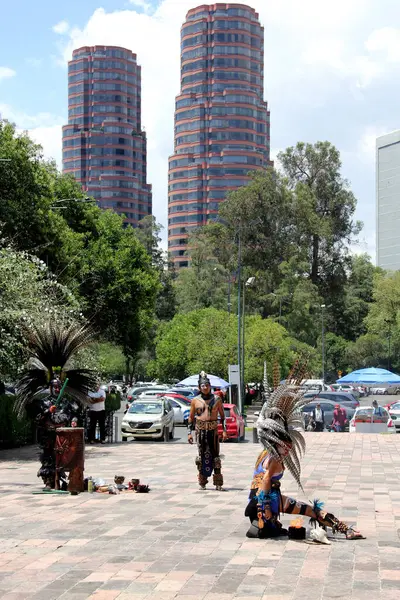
[
  {"x": 235, "y": 426},
  {"x": 188, "y": 392},
  {"x": 134, "y": 392},
  {"x": 180, "y": 406},
  {"x": 389, "y": 405},
  {"x": 350, "y": 389},
  {"x": 365, "y": 421},
  {"x": 314, "y": 384},
  {"x": 149, "y": 393},
  {"x": 343, "y": 398},
  {"x": 394, "y": 389},
  {"x": 328, "y": 406},
  {"x": 379, "y": 391},
  {"x": 149, "y": 418},
  {"x": 394, "y": 412}
]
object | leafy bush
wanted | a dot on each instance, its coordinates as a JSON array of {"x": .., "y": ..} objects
[{"x": 13, "y": 431}]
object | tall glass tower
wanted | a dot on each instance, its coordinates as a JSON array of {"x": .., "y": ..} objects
[
  {"x": 104, "y": 146},
  {"x": 221, "y": 119}
]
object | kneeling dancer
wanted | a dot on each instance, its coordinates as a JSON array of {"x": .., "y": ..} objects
[
  {"x": 203, "y": 418},
  {"x": 283, "y": 447}
]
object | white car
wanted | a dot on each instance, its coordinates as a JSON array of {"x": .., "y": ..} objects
[
  {"x": 134, "y": 392},
  {"x": 149, "y": 418},
  {"x": 367, "y": 419},
  {"x": 394, "y": 412},
  {"x": 181, "y": 408}
]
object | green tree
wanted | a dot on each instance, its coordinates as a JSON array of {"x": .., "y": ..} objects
[
  {"x": 118, "y": 285},
  {"x": 368, "y": 350},
  {"x": 111, "y": 359},
  {"x": 336, "y": 349},
  {"x": 324, "y": 206},
  {"x": 88, "y": 250},
  {"x": 29, "y": 294},
  {"x": 207, "y": 339}
]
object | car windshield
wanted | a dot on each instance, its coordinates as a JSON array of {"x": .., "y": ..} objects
[
  {"x": 227, "y": 412},
  {"x": 146, "y": 408}
]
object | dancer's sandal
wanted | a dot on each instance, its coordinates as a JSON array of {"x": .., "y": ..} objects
[
  {"x": 329, "y": 520},
  {"x": 354, "y": 534}
]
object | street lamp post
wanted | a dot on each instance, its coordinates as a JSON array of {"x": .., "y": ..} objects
[
  {"x": 240, "y": 399},
  {"x": 323, "y": 342},
  {"x": 249, "y": 282}
]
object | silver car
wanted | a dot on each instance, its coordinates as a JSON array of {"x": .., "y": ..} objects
[{"x": 149, "y": 418}]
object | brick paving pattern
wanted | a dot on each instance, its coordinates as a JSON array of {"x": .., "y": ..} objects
[{"x": 179, "y": 542}]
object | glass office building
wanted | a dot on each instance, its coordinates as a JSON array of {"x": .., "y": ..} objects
[
  {"x": 104, "y": 145},
  {"x": 222, "y": 129}
]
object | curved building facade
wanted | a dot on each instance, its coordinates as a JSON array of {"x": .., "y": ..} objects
[
  {"x": 104, "y": 146},
  {"x": 222, "y": 128}
]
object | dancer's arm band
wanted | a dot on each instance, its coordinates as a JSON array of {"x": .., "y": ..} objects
[
  {"x": 190, "y": 428},
  {"x": 223, "y": 423}
]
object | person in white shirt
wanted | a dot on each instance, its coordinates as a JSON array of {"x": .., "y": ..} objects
[
  {"x": 97, "y": 414},
  {"x": 318, "y": 418}
]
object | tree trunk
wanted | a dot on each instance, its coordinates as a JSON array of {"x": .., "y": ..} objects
[
  {"x": 315, "y": 257},
  {"x": 128, "y": 370}
]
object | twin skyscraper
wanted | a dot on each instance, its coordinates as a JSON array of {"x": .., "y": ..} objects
[{"x": 222, "y": 129}]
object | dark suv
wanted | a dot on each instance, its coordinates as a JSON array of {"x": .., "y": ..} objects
[{"x": 344, "y": 398}]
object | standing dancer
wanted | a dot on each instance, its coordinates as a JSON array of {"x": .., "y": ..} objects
[
  {"x": 279, "y": 431},
  {"x": 203, "y": 418},
  {"x": 54, "y": 396}
]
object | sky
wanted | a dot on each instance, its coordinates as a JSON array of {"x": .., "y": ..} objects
[{"x": 332, "y": 72}]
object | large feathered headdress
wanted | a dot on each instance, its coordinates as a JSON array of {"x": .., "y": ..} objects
[
  {"x": 280, "y": 420},
  {"x": 52, "y": 348}
]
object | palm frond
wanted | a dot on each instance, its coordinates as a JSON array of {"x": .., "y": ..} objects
[{"x": 52, "y": 346}]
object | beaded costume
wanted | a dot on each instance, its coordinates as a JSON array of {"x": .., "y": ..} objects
[
  {"x": 279, "y": 431},
  {"x": 205, "y": 410}
]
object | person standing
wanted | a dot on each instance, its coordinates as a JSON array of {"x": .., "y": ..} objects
[
  {"x": 377, "y": 410},
  {"x": 205, "y": 409},
  {"x": 318, "y": 417},
  {"x": 339, "y": 418},
  {"x": 97, "y": 414}
]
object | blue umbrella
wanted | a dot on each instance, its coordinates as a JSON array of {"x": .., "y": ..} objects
[
  {"x": 193, "y": 380},
  {"x": 369, "y": 376}
]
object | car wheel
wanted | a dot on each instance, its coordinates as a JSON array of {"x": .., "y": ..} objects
[
  {"x": 172, "y": 434},
  {"x": 166, "y": 434},
  {"x": 124, "y": 438}
]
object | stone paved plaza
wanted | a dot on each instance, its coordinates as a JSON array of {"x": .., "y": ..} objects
[{"x": 178, "y": 542}]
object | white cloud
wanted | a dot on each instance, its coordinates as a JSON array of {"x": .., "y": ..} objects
[
  {"x": 367, "y": 142},
  {"x": 43, "y": 128},
  {"x": 385, "y": 41},
  {"x": 6, "y": 72},
  {"x": 146, "y": 6},
  {"x": 61, "y": 27}
]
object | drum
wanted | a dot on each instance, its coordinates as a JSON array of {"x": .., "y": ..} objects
[{"x": 70, "y": 456}]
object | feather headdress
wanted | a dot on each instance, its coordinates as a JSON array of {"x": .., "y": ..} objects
[
  {"x": 203, "y": 378},
  {"x": 280, "y": 420},
  {"x": 52, "y": 347}
]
